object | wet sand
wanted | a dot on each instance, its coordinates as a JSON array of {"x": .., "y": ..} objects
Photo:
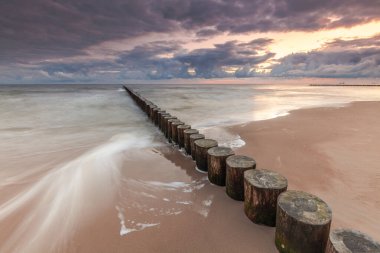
[
  {"x": 162, "y": 204},
  {"x": 330, "y": 152},
  {"x": 191, "y": 214}
]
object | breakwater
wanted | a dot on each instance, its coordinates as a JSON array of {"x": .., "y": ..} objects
[{"x": 302, "y": 220}]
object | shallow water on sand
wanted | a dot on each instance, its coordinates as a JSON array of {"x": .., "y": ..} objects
[{"x": 71, "y": 151}]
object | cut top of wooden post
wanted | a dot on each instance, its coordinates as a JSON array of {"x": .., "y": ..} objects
[
  {"x": 177, "y": 123},
  {"x": 184, "y": 127},
  {"x": 265, "y": 179},
  {"x": 197, "y": 136},
  {"x": 351, "y": 241},
  {"x": 206, "y": 143},
  {"x": 173, "y": 119},
  {"x": 191, "y": 131},
  {"x": 240, "y": 161},
  {"x": 305, "y": 207},
  {"x": 220, "y": 151}
]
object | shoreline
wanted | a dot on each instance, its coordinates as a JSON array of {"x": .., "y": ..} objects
[
  {"x": 159, "y": 195},
  {"x": 327, "y": 151}
]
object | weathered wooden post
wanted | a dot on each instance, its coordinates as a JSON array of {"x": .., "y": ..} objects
[
  {"x": 193, "y": 138},
  {"x": 169, "y": 128},
  {"x": 151, "y": 111},
  {"x": 261, "y": 190},
  {"x": 302, "y": 223},
  {"x": 201, "y": 148},
  {"x": 181, "y": 139},
  {"x": 235, "y": 167},
  {"x": 351, "y": 241},
  {"x": 166, "y": 124},
  {"x": 154, "y": 116},
  {"x": 151, "y": 107},
  {"x": 175, "y": 131},
  {"x": 161, "y": 123},
  {"x": 142, "y": 104},
  {"x": 186, "y": 139},
  {"x": 158, "y": 118},
  {"x": 147, "y": 108},
  {"x": 217, "y": 164}
]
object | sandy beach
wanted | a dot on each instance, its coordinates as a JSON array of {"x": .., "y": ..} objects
[
  {"x": 162, "y": 204},
  {"x": 330, "y": 152}
]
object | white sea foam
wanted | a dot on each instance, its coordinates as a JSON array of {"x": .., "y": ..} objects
[
  {"x": 124, "y": 230},
  {"x": 89, "y": 182},
  {"x": 234, "y": 143},
  {"x": 201, "y": 171},
  {"x": 169, "y": 185},
  {"x": 224, "y": 137},
  {"x": 184, "y": 202},
  {"x": 204, "y": 208}
]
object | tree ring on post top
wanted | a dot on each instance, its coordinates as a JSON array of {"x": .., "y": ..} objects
[
  {"x": 305, "y": 207},
  {"x": 351, "y": 241}
]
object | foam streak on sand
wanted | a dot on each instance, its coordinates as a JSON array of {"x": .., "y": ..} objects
[{"x": 75, "y": 191}]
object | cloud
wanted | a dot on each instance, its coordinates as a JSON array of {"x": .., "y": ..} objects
[
  {"x": 55, "y": 37},
  {"x": 166, "y": 60},
  {"x": 209, "y": 62},
  {"x": 339, "y": 58},
  {"x": 269, "y": 15},
  {"x": 207, "y": 33},
  {"x": 159, "y": 60},
  {"x": 43, "y": 28}
]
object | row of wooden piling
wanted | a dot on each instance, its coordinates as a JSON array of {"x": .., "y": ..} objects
[{"x": 302, "y": 220}]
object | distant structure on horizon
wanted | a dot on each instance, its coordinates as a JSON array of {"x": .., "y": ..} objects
[{"x": 344, "y": 84}]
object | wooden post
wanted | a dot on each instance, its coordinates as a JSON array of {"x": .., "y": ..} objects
[
  {"x": 201, "y": 148},
  {"x": 158, "y": 118},
  {"x": 154, "y": 117},
  {"x": 302, "y": 223},
  {"x": 151, "y": 107},
  {"x": 181, "y": 130},
  {"x": 161, "y": 123},
  {"x": 261, "y": 190},
  {"x": 147, "y": 108},
  {"x": 151, "y": 111},
  {"x": 175, "y": 131},
  {"x": 216, "y": 160},
  {"x": 186, "y": 139},
  {"x": 351, "y": 241},
  {"x": 235, "y": 167},
  {"x": 193, "y": 138},
  {"x": 166, "y": 123},
  {"x": 169, "y": 128}
]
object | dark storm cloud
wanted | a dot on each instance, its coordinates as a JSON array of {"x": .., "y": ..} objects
[
  {"x": 207, "y": 32},
  {"x": 44, "y": 28},
  {"x": 32, "y": 32},
  {"x": 167, "y": 60},
  {"x": 208, "y": 63},
  {"x": 340, "y": 58},
  {"x": 264, "y": 15}
]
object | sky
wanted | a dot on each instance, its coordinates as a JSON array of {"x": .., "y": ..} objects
[{"x": 118, "y": 41}]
